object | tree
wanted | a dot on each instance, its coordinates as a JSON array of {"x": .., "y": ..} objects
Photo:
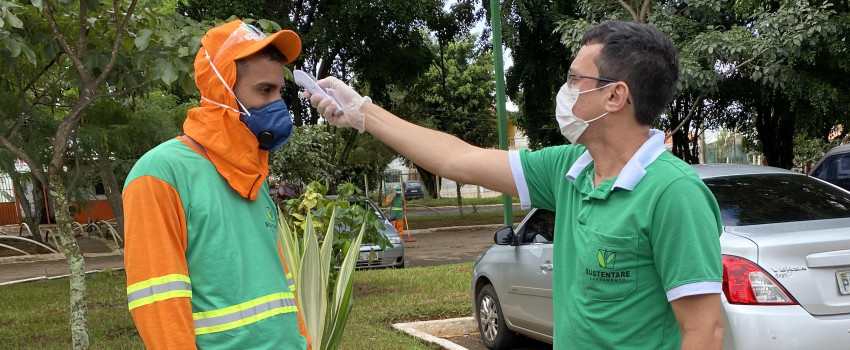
[
  {"x": 540, "y": 64},
  {"x": 457, "y": 95},
  {"x": 378, "y": 41},
  {"x": 94, "y": 50},
  {"x": 114, "y": 132},
  {"x": 718, "y": 40},
  {"x": 305, "y": 157},
  {"x": 374, "y": 156}
]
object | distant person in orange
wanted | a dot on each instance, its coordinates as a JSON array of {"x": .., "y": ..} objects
[{"x": 396, "y": 204}]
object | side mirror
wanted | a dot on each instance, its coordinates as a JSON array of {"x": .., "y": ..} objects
[{"x": 505, "y": 236}]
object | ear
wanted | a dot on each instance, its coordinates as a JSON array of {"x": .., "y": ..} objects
[{"x": 619, "y": 98}]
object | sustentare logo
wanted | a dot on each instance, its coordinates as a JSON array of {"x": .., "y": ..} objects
[
  {"x": 606, "y": 258},
  {"x": 270, "y": 224}
]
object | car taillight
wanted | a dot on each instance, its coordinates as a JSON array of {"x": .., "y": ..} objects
[{"x": 746, "y": 283}]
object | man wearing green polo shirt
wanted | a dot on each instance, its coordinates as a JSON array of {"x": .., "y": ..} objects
[{"x": 636, "y": 255}]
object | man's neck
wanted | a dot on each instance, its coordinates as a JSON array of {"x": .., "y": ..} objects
[{"x": 610, "y": 154}]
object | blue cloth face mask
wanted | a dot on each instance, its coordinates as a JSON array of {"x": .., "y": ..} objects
[{"x": 271, "y": 124}]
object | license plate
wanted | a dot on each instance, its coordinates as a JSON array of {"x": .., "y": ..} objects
[
  {"x": 843, "y": 278},
  {"x": 365, "y": 255}
]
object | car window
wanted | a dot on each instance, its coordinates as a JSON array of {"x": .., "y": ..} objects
[
  {"x": 774, "y": 198},
  {"x": 835, "y": 169},
  {"x": 539, "y": 228},
  {"x": 412, "y": 185},
  {"x": 370, "y": 205}
]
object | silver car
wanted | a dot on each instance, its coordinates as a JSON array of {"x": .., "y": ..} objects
[
  {"x": 786, "y": 265},
  {"x": 371, "y": 255}
]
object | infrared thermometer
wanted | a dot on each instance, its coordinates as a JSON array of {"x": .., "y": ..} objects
[{"x": 311, "y": 84}]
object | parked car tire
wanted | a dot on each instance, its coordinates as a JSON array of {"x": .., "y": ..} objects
[{"x": 491, "y": 323}]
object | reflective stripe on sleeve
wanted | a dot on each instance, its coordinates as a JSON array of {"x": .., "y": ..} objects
[
  {"x": 244, "y": 314},
  {"x": 290, "y": 282},
  {"x": 157, "y": 289}
]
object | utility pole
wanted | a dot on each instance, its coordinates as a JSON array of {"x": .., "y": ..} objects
[{"x": 496, "y": 24}]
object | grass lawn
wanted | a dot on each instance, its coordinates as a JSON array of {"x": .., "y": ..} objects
[
  {"x": 445, "y": 220},
  {"x": 34, "y": 315}
]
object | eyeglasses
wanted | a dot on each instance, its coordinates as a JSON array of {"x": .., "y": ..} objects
[{"x": 572, "y": 79}]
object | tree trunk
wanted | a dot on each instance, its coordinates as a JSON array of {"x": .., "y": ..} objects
[
  {"x": 775, "y": 127},
  {"x": 681, "y": 142},
  {"x": 459, "y": 198},
  {"x": 79, "y": 328},
  {"x": 428, "y": 181},
  {"x": 32, "y": 216},
  {"x": 113, "y": 191}
]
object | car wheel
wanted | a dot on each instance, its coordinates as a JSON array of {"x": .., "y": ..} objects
[{"x": 491, "y": 322}]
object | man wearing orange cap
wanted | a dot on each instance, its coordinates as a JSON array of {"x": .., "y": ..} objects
[{"x": 203, "y": 268}]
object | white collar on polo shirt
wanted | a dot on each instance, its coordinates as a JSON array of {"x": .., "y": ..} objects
[{"x": 635, "y": 169}]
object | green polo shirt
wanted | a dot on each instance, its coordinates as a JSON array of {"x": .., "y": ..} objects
[{"x": 625, "y": 248}]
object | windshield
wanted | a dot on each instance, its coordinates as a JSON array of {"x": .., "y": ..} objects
[
  {"x": 774, "y": 198},
  {"x": 369, "y": 205}
]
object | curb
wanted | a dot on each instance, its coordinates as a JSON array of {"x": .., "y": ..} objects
[
  {"x": 53, "y": 277},
  {"x": 48, "y": 257},
  {"x": 432, "y": 331},
  {"x": 493, "y": 227}
]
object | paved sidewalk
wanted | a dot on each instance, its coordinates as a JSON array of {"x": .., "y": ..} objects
[
  {"x": 55, "y": 268},
  {"x": 54, "y": 265}
]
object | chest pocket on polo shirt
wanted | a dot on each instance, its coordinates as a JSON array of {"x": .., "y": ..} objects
[{"x": 610, "y": 266}]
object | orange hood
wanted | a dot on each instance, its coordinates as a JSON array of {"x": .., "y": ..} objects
[{"x": 231, "y": 147}]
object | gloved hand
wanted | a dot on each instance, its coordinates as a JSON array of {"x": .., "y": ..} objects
[{"x": 349, "y": 100}]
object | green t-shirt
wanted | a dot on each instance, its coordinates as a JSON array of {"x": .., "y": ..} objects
[{"x": 621, "y": 249}]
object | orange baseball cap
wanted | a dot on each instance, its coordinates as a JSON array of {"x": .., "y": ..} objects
[{"x": 236, "y": 40}]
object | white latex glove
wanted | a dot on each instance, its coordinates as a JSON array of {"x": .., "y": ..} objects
[{"x": 349, "y": 100}]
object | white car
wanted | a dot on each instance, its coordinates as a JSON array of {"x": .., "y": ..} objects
[{"x": 786, "y": 265}]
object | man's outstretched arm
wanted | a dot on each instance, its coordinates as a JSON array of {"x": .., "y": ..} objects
[{"x": 439, "y": 152}]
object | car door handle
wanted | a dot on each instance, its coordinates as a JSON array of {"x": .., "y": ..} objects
[{"x": 547, "y": 267}]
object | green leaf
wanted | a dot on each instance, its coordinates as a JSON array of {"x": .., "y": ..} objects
[
  {"x": 183, "y": 51},
  {"x": 143, "y": 38},
  {"x": 92, "y": 5},
  {"x": 600, "y": 258},
  {"x": 29, "y": 54},
  {"x": 14, "y": 46},
  {"x": 327, "y": 249},
  {"x": 37, "y": 4},
  {"x": 169, "y": 72},
  {"x": 610, "y": 258},
  {"x": 14, "y": 21},
  {"x": 313, "y": 288}
]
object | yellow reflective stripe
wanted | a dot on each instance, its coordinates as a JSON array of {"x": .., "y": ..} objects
[
  {"x": 158, "y": 280},
  {"x": 396, "y": 208},
  {"x": 240, "y": 307},
  {"x": 159, "y": 297},
  {"x": 245, "y": 321},
  {"x": 290, "y": 282}
]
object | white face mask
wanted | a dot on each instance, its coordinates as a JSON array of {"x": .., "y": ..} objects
[{"x": 571, "y": 126}]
